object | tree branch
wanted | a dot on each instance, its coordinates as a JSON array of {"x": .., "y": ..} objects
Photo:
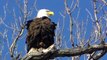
[
  {"x": 13, "y": 45},
  {"x": 99, "y": 55},
  {"x": 66, "y": 52},
  {"x": 96, "y": 18},
  {"x": 104, "y": 2},
  {"x": 71, "y": 21}
]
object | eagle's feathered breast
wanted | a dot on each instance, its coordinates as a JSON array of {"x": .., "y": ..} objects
[{"x": 40, "y": 33}]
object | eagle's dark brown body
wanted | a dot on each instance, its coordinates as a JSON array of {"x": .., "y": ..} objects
[{"x": 40, "y": 33}]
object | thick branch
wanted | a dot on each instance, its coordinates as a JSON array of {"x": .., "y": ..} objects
[{"x": 67, "y": 52}]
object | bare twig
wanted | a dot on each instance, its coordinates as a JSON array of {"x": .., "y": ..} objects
[
  {"x": 33, "y": 8},
  {"x": 75, "y": 6},
  {"x": 105, "y": 2},
  {"x": 98, "y": 30},
  {"x": 71, "y": 22}
]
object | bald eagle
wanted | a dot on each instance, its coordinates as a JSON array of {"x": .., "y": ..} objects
[{"x": 40, "y": 30}]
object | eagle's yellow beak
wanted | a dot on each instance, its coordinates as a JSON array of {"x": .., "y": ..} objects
[{"x": 50, "y": 13}]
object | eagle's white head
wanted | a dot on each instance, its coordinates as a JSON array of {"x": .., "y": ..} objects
[{"x": 44, "y": 12}]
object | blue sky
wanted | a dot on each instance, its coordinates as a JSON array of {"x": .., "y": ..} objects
[{"x": 55, "y": 5}]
